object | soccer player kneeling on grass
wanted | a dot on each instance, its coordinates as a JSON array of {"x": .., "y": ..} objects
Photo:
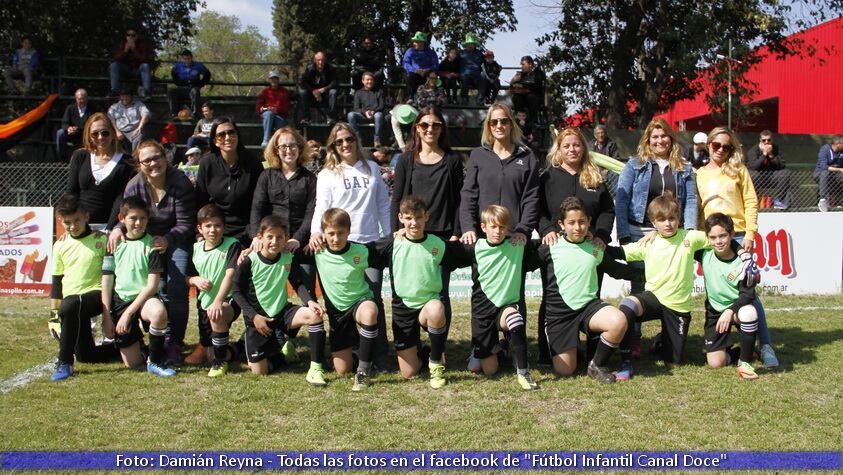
[
  {"x": 572, "y": 294},
  {"x": 348, "y": 298},
  {"x": 496, "y": 266},
  {"x": 129, "y": 288},
  {"x": 669, "y": 280},
  {"x": 76, "y": 292},
  {"x": 260, "y": 289},
  {"x": 211, "y": 270},
  {"x": 414, "y": 261},
  {"x": 730, "y": 275}
]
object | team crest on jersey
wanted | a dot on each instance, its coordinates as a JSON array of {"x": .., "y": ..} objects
[
  {"x": 520, "y": 161},
  {"x": 287, "y": 267},
  {"x": 686, "y": 243},
  {"x": 356, "y": 260},
  {"x": 98, "y": 245},
  {"x": 434, "y": 251},
  {"x": 730, "y": 277}
]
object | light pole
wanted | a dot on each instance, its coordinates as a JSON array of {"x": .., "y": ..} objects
[{"x": 729, "y": 60}]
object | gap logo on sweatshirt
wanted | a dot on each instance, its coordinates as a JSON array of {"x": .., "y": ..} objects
[{"x": 356, "y": 183}]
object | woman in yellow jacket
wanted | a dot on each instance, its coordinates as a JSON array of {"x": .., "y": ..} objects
[{"x": 724, "y": 186}]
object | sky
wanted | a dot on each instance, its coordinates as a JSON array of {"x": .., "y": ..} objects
[{"x": 533, "y": 21}]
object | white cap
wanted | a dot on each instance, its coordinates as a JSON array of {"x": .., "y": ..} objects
[
  {"x": 700, "y": 137},
  {"x": 193, "y": 150},
  {"x": 274, "y": 74}
]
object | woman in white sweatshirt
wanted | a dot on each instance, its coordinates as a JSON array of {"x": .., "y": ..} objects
[{"x": 352, "y": 182}]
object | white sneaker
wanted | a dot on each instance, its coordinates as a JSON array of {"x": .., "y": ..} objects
[
  {"x": 473, "y": 364},
  {"x": 823, "y": 205}
]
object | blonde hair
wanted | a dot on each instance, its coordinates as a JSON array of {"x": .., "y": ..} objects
[
  {"x": 332, "y": 159},
  {"x": 515, "y": 134},
  {"x": 496, "y": 214},
  {"x": 734, "y": 163},
  {"x": 88, "y": 143},
  {"x": 270, "y": 153},
  {"x": 675, "y": 159},
  {"x": 590, "y": 176}
]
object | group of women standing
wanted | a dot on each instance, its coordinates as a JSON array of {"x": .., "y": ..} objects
[{"x": 501, "y": 171}]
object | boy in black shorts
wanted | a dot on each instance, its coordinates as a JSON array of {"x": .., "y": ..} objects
[
  {"x": 211, "y": 270},
  {"x": 260, "y": 289},
  {"x": 77, "y": 289},
  {"x": 129, "y": 287}
]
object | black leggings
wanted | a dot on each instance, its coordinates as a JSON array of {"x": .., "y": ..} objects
[{"x": 76, "y": 312}]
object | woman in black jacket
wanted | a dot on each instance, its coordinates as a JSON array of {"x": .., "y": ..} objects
[
  {"x": 571, "y": 172},
  {"x": 430, "y": 170}
]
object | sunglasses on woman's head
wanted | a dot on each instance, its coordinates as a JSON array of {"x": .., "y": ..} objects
[
  {"x": 716, "y": 146},
  {"x": 348, "y": 140},
  {"x": 101, "y": 133},
  {"x": 222, "y": 133},
  {"x": 427, "y": 125}
]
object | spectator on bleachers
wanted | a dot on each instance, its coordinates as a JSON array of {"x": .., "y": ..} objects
[
  {"x": 129, "y": 116},
  {"x": 367, "y": 58},
  {"x": 190, "y": 167},
  {"x": 273, "y": 106},
  {"x": 25, "y": 62},
  {"x": 449, "y": 72},
  {"x": 829, "y": 172},
  {"x": 471, "y": 70},
  {"x": 491, "y": 76},
  {"x": 99, "y": 172},
  {"x": 417, "y": 61},
  {"x": 131, "y": 58},
  {"x": 319, "y": 87},
  {"x": 202, "y": 131},
  {"x": 531, "y": 134},
  {"x": 317, "y": 158},
  {"x": 527, "y": 88},
  {"x": 430, "y": 93},
  {"x": 767, "y": 170},
  {"x": 603, "y": 144},
  {"x": 73, "y": 123},
  {"x": 369, "y": 106},
  {"x": 697, "y": 153},
  {"x": 189, "y": 76},
  {"x": 401, "y": 115}
]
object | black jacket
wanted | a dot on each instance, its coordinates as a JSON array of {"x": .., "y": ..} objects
[
  {"x": 610, "y": 149},
  {"x": 695, "y": 162},
  {"x": 314, "y": 79},
  {"x": 403, "y": 186},
  {"x": 755, "y": 160},
  {"x": 71, "y": 117},
  {"x": 102, "y": 201},
  {"x": 556, "y": 184},
  {"x": 512, "y": 183},
  {"x": 368, "y": 100},
  {"x": 368, "y": 59},
  {"x": 293, "y": 199},
  {"x": 229, "y": 188}
]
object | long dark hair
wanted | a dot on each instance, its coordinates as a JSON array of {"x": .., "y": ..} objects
[
  {"x": 242, "y": 154},
  {"x": 414, "y": 145}
]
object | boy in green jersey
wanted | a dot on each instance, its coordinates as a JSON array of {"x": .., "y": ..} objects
[
  {"x": 730, "y": 276},
  {"x": 76, "y": 291},
  {"x": 414, "y": 261},
  {"x": 669, "y": 273},
  {"x": 260, "y": 289},
  {"x": 572, "y": 294},
  {"x": 130, "y": 280},
  {"x": 211, "y": 270},
  {"x": 348, "y": 298}
]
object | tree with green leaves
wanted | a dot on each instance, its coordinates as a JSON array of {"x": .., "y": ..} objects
[{"x": 628, "y": 60}]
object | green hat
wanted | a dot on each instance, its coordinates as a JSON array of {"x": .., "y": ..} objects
[
  {"x": 419, "y": 36},
  {"x": 470, "y": 39},
  {"x": 405, "y": 113}
]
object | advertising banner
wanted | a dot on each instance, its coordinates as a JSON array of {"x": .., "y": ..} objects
[{"x": 26, "y": 242}]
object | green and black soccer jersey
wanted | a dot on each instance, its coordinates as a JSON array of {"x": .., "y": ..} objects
[
  {"x": 77, "y": 264},
  {"x": 723, "y": 286},
  {"x": 342, "y": 276},
  {"x": 260, "y": 285},
  {"x": 132, "y": 263},
  {"x": 212, "y": 264}
]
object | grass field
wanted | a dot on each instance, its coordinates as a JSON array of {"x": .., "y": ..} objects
[{"x": 106, "y": 407}]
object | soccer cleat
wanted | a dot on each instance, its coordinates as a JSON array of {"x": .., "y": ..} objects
[
  {"x": 526, "y": 381},
  {"x": 160, "y": 371},
  {"x": 289, "y": 352},
  {"x": 768, "y": 356},
  {"x": 745, "y": 370},
  {"x": 63, "y": 371},
  {"x": 54, "y": 325},
  {"x": 473, "y": 364},
  {"x": 361, "y": 381},
  {"x": 198, "y": 356},
  {"x": 601, "y": 373},
  {"x": 823, "y": 205},
  {"x": 219, "y": 368},
  {"x": 437, "y": 375},
  {"x": 316, "y": 377},
  {"x": 625, "y": 373}
]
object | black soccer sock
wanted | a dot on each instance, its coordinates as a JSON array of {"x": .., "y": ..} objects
[
  {"x": 316, "y": 338},
  {"x": 274, "y": 362},
  {"x": 156, "y": 345},
  {"x": 438, "y": 336},
  {"x": 220, "y": 342},
  {"x": 368, "y": 334},
  {"x": 518, "y": 340},
  {"x": 746, "y": 334},
  {"x": 541, "y": 336},
  {"x": 626, "y": 342},
  {"x": 591, "y": 343},
  {"x": 69, "y": 331},
  {"x": 604, "y": 351}
]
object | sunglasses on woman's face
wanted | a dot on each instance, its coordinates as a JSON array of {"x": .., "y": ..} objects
[
  {"x": 499, "y": 122},
  {"x": 101, "y": 133},
  {"x": 426, "y": 125},
  {"x": 716, "y": 146},
  {"x": 347, "y": 140},
  {"x": 222, "y": 133}
]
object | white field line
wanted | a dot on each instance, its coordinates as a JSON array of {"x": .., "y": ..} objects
[{"x": 25, "y": 377}]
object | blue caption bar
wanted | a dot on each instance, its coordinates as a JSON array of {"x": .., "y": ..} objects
[{"x": 446, "y": 460}]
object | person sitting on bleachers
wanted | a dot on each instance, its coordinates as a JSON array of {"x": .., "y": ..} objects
[
  {"x": 129, "y": 116},
  {"x": 73, "y": 123},
  {"x": 417, "y": 62},
  {"x": 492, "y": 76},
  {"x": 449, "y": 73},
  {"x": 367, "y": 58},
  {"x": 430, "y": 93},
  {"x": 273, "y": 106},
  {"x": 25, "y": 62},
  {"x": 202, "y": 132},
  {"x": 471, "y": 73},
  {"x": 189, "y": 76},
  {"x": 369, "y": 106},
  {"x": 131, "y": 58},
  {"x": 319, "y": 87},
  {"x": 527, "y": 88}
]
